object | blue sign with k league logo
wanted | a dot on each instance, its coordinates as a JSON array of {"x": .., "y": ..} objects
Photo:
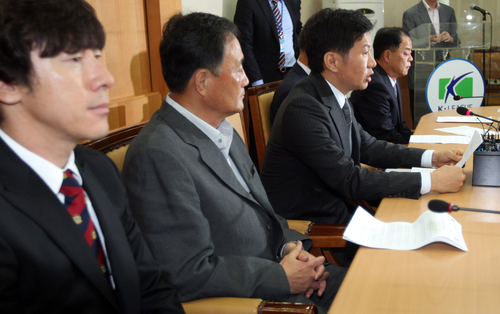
[{"x": 455, "y": 77}]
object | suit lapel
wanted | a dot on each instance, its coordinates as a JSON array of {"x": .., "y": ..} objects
[
  {"x": 29, "y": 194},
  {"x": 396, "y": 99},
  {"x": 329, "y": 100},
  {"x": 209, "y": 152},
  {"x": 269, "y": 15}
]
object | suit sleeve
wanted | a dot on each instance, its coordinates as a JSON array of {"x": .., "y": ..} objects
[
  {"x": 373, "y": 108},
  {"x": 166, "y": 203},
  {"x": 244, "y": 19},
  {"x": 311, "y": 137}
]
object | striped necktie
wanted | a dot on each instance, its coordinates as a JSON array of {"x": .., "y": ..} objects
[
  {"x": 279, "y": 28},
  {"x": 74, "y": 200}
]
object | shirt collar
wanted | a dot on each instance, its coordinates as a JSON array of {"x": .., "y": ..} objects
[
  {"x": 304, "y": 67},
  {"x": 341, "y": 98},
  {"x": 427, "y": 7},
  {"x": 51, "y": 174},
  {"x": 393, "y": 82},
  {"x": 222, "y": 136}
]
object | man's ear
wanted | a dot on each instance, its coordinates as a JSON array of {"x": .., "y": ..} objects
[
  {"x": 331, "y": 60},
  {"x": 9, "y": 94},
  {"x": 201, "y": 80},
  {"x": 386, "y": 56}
]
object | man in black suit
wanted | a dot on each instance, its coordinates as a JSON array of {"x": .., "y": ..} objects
[
  {"x": 299, "y": 71},
  {"x": 260, "y": 41},
  {"x": 68, "y": 243},
  {"x": 313, "y": 156},
  {"x": 378, "y": 108}
]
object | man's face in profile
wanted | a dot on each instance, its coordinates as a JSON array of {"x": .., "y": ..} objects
[
  {"x": 68, "y": 99},
  {"x": 400, "y": 59},
  {"x": 355, "y": 68}
]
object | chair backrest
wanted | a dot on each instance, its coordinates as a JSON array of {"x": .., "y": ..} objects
[
  {"x": 238, "y": 122},
  {"x": 260, "y": 98},
  {"x": 116, "y": 143}
]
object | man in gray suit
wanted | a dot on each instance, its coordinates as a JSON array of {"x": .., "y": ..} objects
[
  {"x": 313, "y": 155},
  {"x": 197, "y": 195},
  {"x": 443, "y": 25}
]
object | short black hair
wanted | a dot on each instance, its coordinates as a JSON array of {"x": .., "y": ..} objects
[
  {"x": 387, "y": 38},
  {"x": 304, "y": 36},
  {"x": 191, "y": 42},
  {"x": 334, "y": 30},
  {"x": 50, "y": 26}
]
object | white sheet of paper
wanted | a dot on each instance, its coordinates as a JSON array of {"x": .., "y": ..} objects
[
  {"x": 462, "y": 119},
  {"x": 439, "y": 139},
  {"x": 366, "y": 230},
  {"x": 476, "y": 140},
  {"x": 463, "y": 130}
]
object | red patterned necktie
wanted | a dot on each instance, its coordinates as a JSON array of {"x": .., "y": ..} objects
[
  {"x": 74, "y": 200},
  {"x": 279, "y": 28}
]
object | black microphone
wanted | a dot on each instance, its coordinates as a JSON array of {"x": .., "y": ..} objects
[
  {"x": 439, "y": 206},
  {"x": 473, "y": 6},
  {"x": 460, "y": 97},
  {"x": 466, "y": 112}
]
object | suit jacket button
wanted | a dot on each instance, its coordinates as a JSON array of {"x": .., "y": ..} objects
[{"x": 269, "y": 227}]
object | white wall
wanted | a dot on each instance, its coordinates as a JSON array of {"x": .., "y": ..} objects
[{"x": 208, "y": 6}]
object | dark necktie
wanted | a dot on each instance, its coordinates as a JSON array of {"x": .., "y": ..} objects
[
  {"x": 348, "y": 120},
  {"x": 74, "y": 200},
  {"x": 279, "y": 28},
  {"x": 347, "y": 114}
]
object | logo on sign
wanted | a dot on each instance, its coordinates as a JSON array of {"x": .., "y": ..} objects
[{"x": 455, "y": 77}]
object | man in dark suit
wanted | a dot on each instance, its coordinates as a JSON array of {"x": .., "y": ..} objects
[
  {"x": 299, "y": 71},
  {"x": 68, "y": 243},
  {"x": 197, "y": 195},
  {"x": 443, "y": 26},
  {"x": 261, "y": 42},
  {"x": 313, "y": 155},
  {"x": 378, "y": 107}
]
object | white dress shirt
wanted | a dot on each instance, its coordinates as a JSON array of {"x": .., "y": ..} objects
[{"x": 433, "y": 15}]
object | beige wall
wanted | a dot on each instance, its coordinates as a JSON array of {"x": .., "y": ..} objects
[{"x": 393, "y": 14}]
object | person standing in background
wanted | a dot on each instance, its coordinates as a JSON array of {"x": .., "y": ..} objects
[{"x": 268, "y": 34}]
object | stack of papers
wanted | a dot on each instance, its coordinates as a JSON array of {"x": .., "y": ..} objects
[
  {"x": 462, "y": 119},
  {"x": 366, "y": 230},
  {"x": 439, "y": 139}
]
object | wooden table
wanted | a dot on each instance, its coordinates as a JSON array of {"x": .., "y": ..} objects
[{"x": 437, "y": 278}]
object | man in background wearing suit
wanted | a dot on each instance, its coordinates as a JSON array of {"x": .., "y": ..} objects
[
  {"x": 443, "y": 30},
  {"x": 299, "y": 71},
  {"x": 313, "y": 156},
  {"x": 269, "y": 32},
  {"x": 197, "y": 195},
  {"x": 68, "y": 243},
  {"x": 378, "y": 108}
]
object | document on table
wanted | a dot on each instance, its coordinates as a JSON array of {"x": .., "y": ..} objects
[
  {"x": 439, "y": 139},
  {"x": 366, "y": 230},
  {"x": 476, "y": 140},
  {"x": 461, "y": 119},
  {"x": 465, "y": 130}
]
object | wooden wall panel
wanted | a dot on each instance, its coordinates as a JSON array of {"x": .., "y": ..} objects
[
  {"x": 133, "y": 36},
  {"x": 132, "y": 110}
]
